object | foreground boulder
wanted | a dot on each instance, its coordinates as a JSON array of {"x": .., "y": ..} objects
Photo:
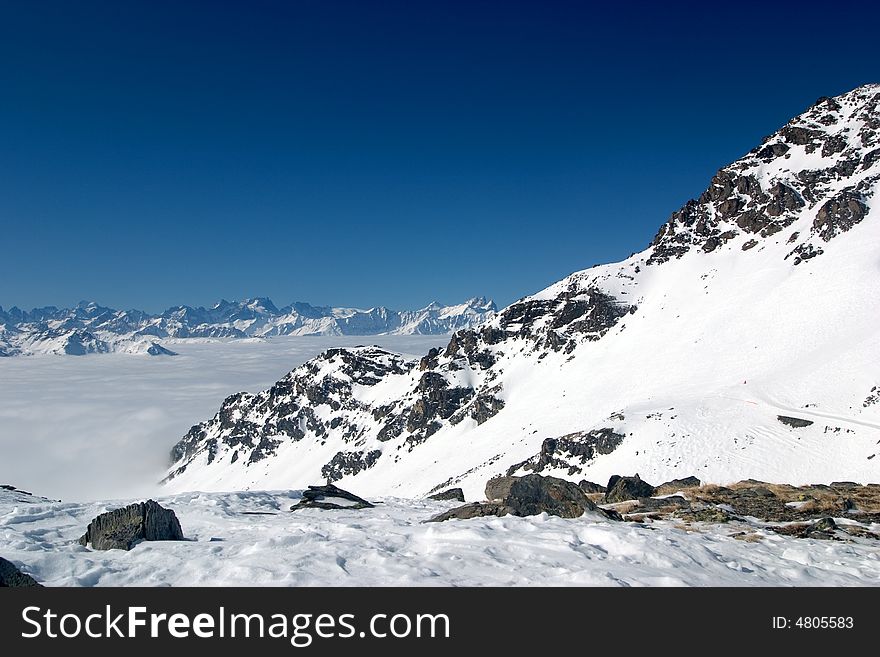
[
  {"x": 526, "y": 496},
  {"x": 621, "y": 489},
  {"x": 330, "y": 497},
  {"x": 12, "y": 577},
  {"x": 123, "y": 528},
  {"x": 455, "y": 494}
]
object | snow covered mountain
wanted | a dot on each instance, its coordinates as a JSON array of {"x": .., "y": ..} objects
[
  {"x": 741, "y": 343},
  {"x": 90, "y": 328}
]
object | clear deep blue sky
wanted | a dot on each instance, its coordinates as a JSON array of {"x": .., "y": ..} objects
[{"x": 363, "y": 153}]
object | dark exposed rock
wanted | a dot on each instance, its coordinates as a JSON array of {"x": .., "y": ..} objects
[
  {"x": 123, "y": 528},
  {"x": 455, "y": 494},
  {"x": 472, "y": 510},
  {"x": 620, "y": 489},
  {"x": 590, "y": 487},
  {"x": 349, "y": 463},
  {"x": 330, "y": 497},
  {"x": 534, "y": 494},
  {"x": 528, "y": 496},
  {"x": 571, "y": 451},
  {"x": 12, "y": 577},
  {"x": 676, "y": 485},
  {"x": 749, "y": 244},
  {"x": 795, "y": 422},
  {"x": 839, "y": 214}
]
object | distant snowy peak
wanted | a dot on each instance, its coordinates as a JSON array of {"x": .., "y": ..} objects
[
  {"x": 757, "y": 301},
  {"x": 91, "y": 328}
]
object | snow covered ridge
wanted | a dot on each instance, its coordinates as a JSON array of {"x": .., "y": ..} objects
[
  {"x": 89, "y": 328},
  {"x": 756, "y": 304}
]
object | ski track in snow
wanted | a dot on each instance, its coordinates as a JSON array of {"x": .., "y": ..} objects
[{"x": 251, "y": 539}]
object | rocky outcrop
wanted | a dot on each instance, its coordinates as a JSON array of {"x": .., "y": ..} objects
[
  {"x": 796, "y": 422},
  {"x": 330, "y": 497},
  {"x": 122, "y": 529},
  {"x": 676, "y": 485},
  {"x": 12, "y": 577},
  {"x": 450, "y": 494},
  {"x": 526, "y": 496},
  {"x": 571, "y": 452},
  {"x": 591, "y": 487},
  {"x": 620, "y": 489}
]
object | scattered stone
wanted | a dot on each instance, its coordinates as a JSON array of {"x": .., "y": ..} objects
[
  {"x": 12, "y": 577},
  {"x": 455, "y": 494},
  {"x": 621, "y": 489},
  {"x": 795, "y": 422},
  {"x": 123, "y": 528},
  {"x": 670, "y": 503},
  {"x": 330, "y": 497}
]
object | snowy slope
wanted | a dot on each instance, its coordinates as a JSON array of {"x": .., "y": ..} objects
[
  {"x": 89, "y": 328},
  {"x": 250, "y": 538},
  {"x": 759, "y": 299}
]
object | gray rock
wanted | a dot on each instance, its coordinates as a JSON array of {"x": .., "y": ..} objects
[
  {"x": 621, "y": 489},
  {"x": 534, "y": 494},
  {"x": 123, "y": 528},
  {"x": 676, "y": 485},
  {"x": 455, "y": 494},
  {"x": 12, "y": 577},
  {"x": 795, "y": 422},
  {"x": 323, "y": 497},
  {"x": 472, "y": 510},
  {"x": 590, "y": 487},
  {"x": 528, "y": 496}
]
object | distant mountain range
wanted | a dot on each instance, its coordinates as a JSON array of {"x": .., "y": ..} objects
[{"x": 91, "y": 328}]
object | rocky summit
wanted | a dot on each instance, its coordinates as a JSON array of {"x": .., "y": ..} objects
[{"x": 737, "y": 345}]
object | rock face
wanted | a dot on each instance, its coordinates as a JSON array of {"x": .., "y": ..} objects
[
  {"x": 571, "y": 452},
  {"x": 455, "y": 494},
  {"x": 591, "y": 487},
  {"x": 526, "y": 496},
  {"x": 620, "y": 489},
  {"x": 123, "y": 528},
  {"x": 330, "y": 497},
  {"x": 12, "y": 577}
]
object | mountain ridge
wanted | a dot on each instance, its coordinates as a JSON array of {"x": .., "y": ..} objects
[
  {"x": 676, "y": 361},
  {"x": 91, "y": 328}
]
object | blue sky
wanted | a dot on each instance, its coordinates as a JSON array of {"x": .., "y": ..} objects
[{"x": 363, "y": 153}]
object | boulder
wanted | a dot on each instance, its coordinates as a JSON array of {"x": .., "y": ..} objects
[
  {"x": 123, "y": 528},
  {"x": 527, "y": 496},
  {"x": 676, "y": 485},
  {"x": 472, "y": 510},
  {"x": 590, "y": 487},
  {"x": 621, "y": 489},
  {"x": 330, "y": 497},
  {"x": 454, "y": 494},
  {"x": 534, "y": 494},
  {"x": 12, "y": 577}
]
